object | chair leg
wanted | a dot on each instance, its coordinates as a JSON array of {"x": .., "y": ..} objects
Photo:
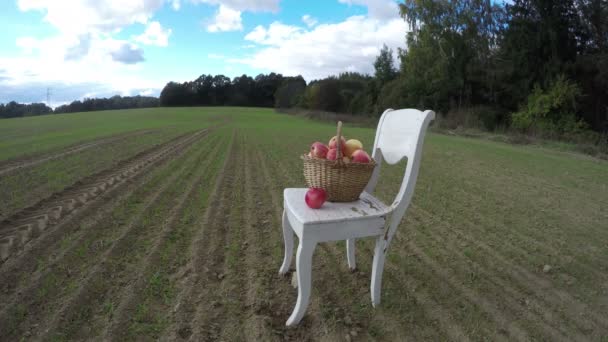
[
  {"x": 288, "y": 239},
  {"x": 377, "y": 269},
  {"x": 303, "y": 268},
  {"x": 350, "y": 254}
]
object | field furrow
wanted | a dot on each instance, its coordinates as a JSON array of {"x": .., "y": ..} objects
[
  {"x": 63, "y": 276},
  {"x": 168, "y": 227},
  {"x": 71, "y": 230},
  {"x": 121, "y": 261},
  {"x": 9, "y": 166},
  {"x": 55, "y": 175},
  {"x": 30, "y": 223},
  {"x": 219, "y": 297},
  {"x": 138, "y": 308},
  {"x": 252, "y": 321},
  {"x": 534, "y": 286},
  {"x": 195, "y": 273},
  {"x": 534, "y": 311}
]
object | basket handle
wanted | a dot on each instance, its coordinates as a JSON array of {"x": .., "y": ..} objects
[{"x": 338, "y": 143}]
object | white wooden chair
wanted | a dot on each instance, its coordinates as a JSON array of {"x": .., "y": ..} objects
[{"x": 400, "y": 134}]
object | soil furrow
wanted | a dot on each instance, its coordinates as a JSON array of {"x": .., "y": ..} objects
[
  {"x": 513, "y": 329},
  {"x": 201, "y": 250},
  {"x": 508, "y": 303},
  {"x": 505, "y": 324},
  {"x": 259, "y": 264},
  {"x": 31, "y": 223},
  {"x": 523, "y": 303},
  {"x": 536, "y": 240},
  {"x": 541, "y": 287},
  {"x": 121, "y": 259},
  {"x": 539, "y": 244},
  {"x": 71, "y": 230},
  {"x": 432, "y": 308},
  {"x": 131, "y": 295},
  {"x": 122, "y": 266},
  {"x": 222, "y": 281},
  {"x": 32, "y": 297},
  {"x": 14, "y": 165},
  {"x": 501, "y": 173}
]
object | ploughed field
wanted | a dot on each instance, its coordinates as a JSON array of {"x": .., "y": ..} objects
[{"x": 165, "y": 224}]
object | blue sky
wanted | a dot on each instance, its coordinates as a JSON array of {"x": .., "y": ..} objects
[{"x": 92, "y": 48}]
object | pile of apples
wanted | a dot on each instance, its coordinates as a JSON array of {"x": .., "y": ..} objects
[{"x": 352, "y": 151}]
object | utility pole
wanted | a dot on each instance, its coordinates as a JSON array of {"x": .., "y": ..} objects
[{"x": 48, "y": 96}]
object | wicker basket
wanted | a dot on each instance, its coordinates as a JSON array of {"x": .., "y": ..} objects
[{"x": 342, "y": 181}]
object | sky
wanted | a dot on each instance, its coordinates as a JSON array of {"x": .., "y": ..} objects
[{"x": 89, "y": 48}]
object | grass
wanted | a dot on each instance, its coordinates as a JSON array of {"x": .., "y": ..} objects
[{"x": 467, "y": 261}]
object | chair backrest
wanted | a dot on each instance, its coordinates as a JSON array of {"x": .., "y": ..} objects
[{"x": 400, "y": 134}]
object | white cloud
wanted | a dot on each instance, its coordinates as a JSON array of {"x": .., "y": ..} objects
[
  {"x": 176, "y": 5},
  {"x": 110, "y": 66},
  {"x": 27, "y": 44},
  {"x": 154, "y": 35},
  {"x": 80, "y": 49},
  {"x": 128, "y": 53},
  {"x": 380, "y": 9},
  {"x": 327, "y": 49},
  {"x": 226, "y": 19},
  {"x": 274, "y": 35},
  {"x": 78, "y": 17},
  {"x": 309, "y": 21},
  {"x": 84, "y": 56},
  {"x": 245, "y": 5},
  {"x": 228, "y": 15}
]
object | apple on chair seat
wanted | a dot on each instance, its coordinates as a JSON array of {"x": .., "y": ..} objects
[{"x": 315, "y": 197}]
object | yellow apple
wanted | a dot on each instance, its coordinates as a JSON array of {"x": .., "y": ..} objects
[{"x": 351, "y": 146}]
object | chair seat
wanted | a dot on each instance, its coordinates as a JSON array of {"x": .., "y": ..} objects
[{"x": 366, "y": 207}]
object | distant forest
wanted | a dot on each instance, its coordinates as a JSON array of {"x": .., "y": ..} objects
[
  {"x": 15, "y": 110},
  {"x": 538, "y": 67}
]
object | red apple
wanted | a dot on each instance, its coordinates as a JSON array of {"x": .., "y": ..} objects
[
  {"x": 332, "y": 154},
  {"x": 360, "y": 156},
  {"x": 334, "y": 141},
  {"x": 318, "y": 150},
  {"x": 315, "y": 197}
]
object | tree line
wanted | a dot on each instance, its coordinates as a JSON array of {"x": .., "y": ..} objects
[
  {"x": 536, "y": 66},
  {"x": 15, "y": 110},
  {"x": 114, "y": 102},
  {"x": 220, "y": 90}
]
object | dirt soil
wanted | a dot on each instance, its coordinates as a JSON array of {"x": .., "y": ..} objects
[{"x": 182, "y": 242}]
